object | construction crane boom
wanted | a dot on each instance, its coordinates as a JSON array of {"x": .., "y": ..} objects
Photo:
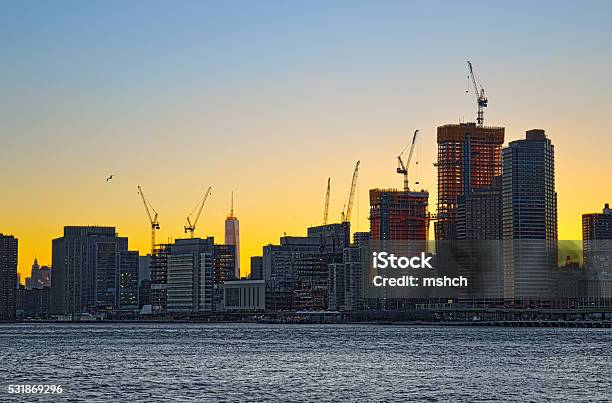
[
  {"x": 346, "y": 214},
  {"x": 326, "y": 208},
  {"x": 190, "y": 226},
  {"x": 403, "y": 168},
  {"x": 152, "y": 219},
  {"x": 481, "y": 99}
]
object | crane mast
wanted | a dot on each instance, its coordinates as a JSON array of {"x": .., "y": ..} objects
[
  {"x": 346, "y": 213},
  {"x": 326, "y": 208},
  {"x": 190, "y": 225},
  {"x": 403, "y": 168},
  {"x": 152, "y": 218},
  {"x": 481, "y": 99}
]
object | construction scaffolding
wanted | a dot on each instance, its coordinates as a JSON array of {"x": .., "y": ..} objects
[
  {"x": 399, "y": 215},
  {"x": 469, "y": 157}
]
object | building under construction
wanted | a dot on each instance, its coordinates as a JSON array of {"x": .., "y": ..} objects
[
  {"x": 469, "y": 157},
  {"x": 399, "y": 215}
]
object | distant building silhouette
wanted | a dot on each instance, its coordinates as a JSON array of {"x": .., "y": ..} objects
[
  {"x": 8, "y": 277},
  {"x": 40, "y": 277},
  {"x": 232, "y": 237},
  {"x": 256, "y": 268}
]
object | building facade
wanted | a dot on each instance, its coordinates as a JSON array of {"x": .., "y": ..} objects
[
  {"x": 91, "y": 267},
  {"x": 469, "y": 157},
  {"x": 8, "y": 277},
  {"x": 398, "y": 215},
  {"x": 529, "y": 218}
]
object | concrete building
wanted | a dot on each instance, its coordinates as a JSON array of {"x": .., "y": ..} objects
[
  {"x": 479, "y": 213},
  {"x": 196, "y": 270},
  {"x": 90, "y": 267},
  {"x": 232, "y": 237},
  {"x": 469, "y": 157},
  {"x": 297, "y": 271},
  {"x": 597, "y": 225},
  {"x": 33, "y": 303},
  {"x": 346, "y": 281},
  {"x": 597, "y": 239},
  {"x": 244, "y": 296},
  {"x": 8, "y": 277},
  {"x": 256, "y": 268},
  {"x": 529, "y": 217},
  {"x": 159, "y": 278},
  {"x": 190, "y": 276},
  {"x": 398, "y": 215}
]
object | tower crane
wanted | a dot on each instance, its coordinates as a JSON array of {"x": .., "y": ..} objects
[
  {"x": 403, "y": 168},
  {"x": 326, "y": 208},
  {"x": 481, "y": 99},
  {"x": 190, "y": 225},
  {"x": 348, "y": 207},
  {"x": 152, "y": 219}
]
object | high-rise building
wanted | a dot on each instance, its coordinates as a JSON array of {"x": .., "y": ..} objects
[
  {"x": 479, "y": 213},
  {"x": 398, "y": 215},
  {"x": 529, "y": 217},
  {"x": 232, "y": 237},
  {"x": 8, "y": 277},
  {"x": 159, "y": 277},
  {"x": 195, "y": 272},
  {"x": 469, "y": 157},
  {"x": 190, "y": 276},
  {"x": 40, "y": 276},
  {"x": 90, "y": 267},
  {"x": 597, "y": 239},
  {"x": 529, "y": 197},
  {"x": 597, "y": 225}
]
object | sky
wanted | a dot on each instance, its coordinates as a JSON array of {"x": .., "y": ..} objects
[{"x": 268, "y": 99}]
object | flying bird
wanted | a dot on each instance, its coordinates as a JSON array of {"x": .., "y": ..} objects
[{"x": 109, "y": 178}]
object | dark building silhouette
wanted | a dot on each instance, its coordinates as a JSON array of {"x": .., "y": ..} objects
[
  {"x": 529, "y": 219},
  {"x": 93, "y": 271},
  {"x": 256, "y": 268},
  {"x": 34, "y": 302},
  {"x": 469, "y": 158},
  {"x": 8, "y": 277},
  {"x": 479, "y": 213}
]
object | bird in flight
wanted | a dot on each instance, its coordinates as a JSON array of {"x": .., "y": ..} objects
[{"x": 109, "y": 178}]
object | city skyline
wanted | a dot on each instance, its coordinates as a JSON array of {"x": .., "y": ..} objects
[{"x": 293, "y": 110}]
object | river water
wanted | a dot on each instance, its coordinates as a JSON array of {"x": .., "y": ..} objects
[{"x": 251, "y": 362}]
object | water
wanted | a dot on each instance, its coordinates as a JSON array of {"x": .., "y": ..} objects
[{"x": 238, "y": 362}]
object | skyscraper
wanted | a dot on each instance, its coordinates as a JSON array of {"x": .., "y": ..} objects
[
  {"x": 8, "y": 276},
  {"x": 469, "y": 157},
  {"x": 91, "y": 265},
  {"x": 529, "y": 218},
  {"x": 528, "y": 183},
  {"x": 232, "y": 236}
]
